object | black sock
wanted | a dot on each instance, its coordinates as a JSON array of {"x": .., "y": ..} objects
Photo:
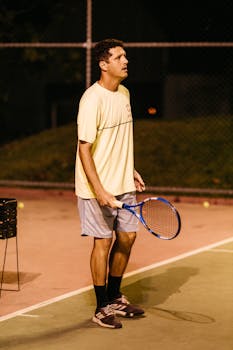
[
  {"x": 114, "y": 283},
  {"x": 101, "y": 296}
]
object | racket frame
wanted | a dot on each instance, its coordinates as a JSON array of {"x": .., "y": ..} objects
[{"x": 140, "y": 217}]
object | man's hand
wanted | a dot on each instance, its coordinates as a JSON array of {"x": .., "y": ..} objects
[
  {"x": 106, "y": 199},
  {"x": 139, "y": 183}
]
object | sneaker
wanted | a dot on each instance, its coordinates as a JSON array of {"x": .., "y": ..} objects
[
  {"x": 122, "y": 307},
  {"x": 105, "y": 317}
]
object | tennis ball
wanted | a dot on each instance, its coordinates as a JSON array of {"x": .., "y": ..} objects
[
  {"x": 206, "y": 204},
  {"x": 20, "y": 205}
]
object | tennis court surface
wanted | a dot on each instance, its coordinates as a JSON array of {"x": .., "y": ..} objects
[{"x": 185, "y": 285}]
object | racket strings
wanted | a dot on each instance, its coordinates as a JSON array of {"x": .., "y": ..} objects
[{"x": 160, "y": 218}]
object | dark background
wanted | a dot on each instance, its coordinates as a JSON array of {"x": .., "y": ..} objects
[{"x": 40, "y": 88}]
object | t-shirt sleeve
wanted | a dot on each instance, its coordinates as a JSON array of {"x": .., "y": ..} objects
[{"x": 87, "y": 118}]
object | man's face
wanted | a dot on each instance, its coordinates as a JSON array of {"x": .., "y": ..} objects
[{"x": 116, "y": 66}]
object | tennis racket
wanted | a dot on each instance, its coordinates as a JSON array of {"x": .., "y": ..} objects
[{"x": 158, "y": 216}]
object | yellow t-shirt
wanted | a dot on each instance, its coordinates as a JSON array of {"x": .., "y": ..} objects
[{"x": 105, "y": 121}]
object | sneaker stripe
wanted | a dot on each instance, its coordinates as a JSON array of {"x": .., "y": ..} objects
[{"x": 118, "y": 306}]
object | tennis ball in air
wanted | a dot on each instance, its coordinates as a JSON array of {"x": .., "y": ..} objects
[
  {"x": 206, "y": 204},
  {"x": 20, "y": 205}
]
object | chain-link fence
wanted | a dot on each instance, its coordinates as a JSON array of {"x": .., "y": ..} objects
[{"x": 184, "y": 94}]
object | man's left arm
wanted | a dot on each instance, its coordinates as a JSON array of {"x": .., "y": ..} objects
[{"x": 139, "y": 183}]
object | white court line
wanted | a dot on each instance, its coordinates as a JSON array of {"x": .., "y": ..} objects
[
  {"x": 28, "y": 315},
  {"x": 85, "y": 289},
  {"x": 179, "y": 257},
  {"x": 221, "y": 250}
]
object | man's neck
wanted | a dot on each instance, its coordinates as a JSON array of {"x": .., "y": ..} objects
[{"x": 109, "y": 84}]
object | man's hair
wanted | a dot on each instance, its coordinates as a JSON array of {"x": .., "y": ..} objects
[{"x": 102, "y": 48}]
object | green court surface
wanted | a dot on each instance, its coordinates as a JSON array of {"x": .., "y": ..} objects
[{"x": 188, "y": 302}]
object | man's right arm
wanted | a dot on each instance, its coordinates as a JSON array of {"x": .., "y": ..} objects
[{"x": 103, "y": 197}]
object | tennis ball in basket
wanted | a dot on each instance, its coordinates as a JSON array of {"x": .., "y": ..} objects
[
  {"x": 20, "y": 205},
  {"x": 206, "y": 204}
]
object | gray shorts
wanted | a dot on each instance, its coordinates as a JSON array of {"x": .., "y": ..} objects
[{"x": 100, "y": 222}]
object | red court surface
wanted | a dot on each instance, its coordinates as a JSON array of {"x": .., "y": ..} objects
[{"x": 54, "y": 259}]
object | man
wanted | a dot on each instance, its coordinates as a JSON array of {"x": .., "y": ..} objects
[{"x": 105, "y": 173}]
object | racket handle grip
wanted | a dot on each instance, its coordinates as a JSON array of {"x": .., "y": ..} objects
[{"x": 118, "y": 204}]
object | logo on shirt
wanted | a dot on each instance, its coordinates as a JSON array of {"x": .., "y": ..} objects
[{"x": 128, "y": 107}]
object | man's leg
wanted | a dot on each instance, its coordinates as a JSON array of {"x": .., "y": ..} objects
[
  {"x": 104, "y": 315},
  {"x": 118, "y": 262},
  {"x": 99, "y": 263},
  {"x": 120, "y": 252}
]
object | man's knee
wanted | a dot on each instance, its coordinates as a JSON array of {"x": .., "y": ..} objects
[
  {"x": 126, "y": 239},
  {"x": 102, "y": 245}
]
